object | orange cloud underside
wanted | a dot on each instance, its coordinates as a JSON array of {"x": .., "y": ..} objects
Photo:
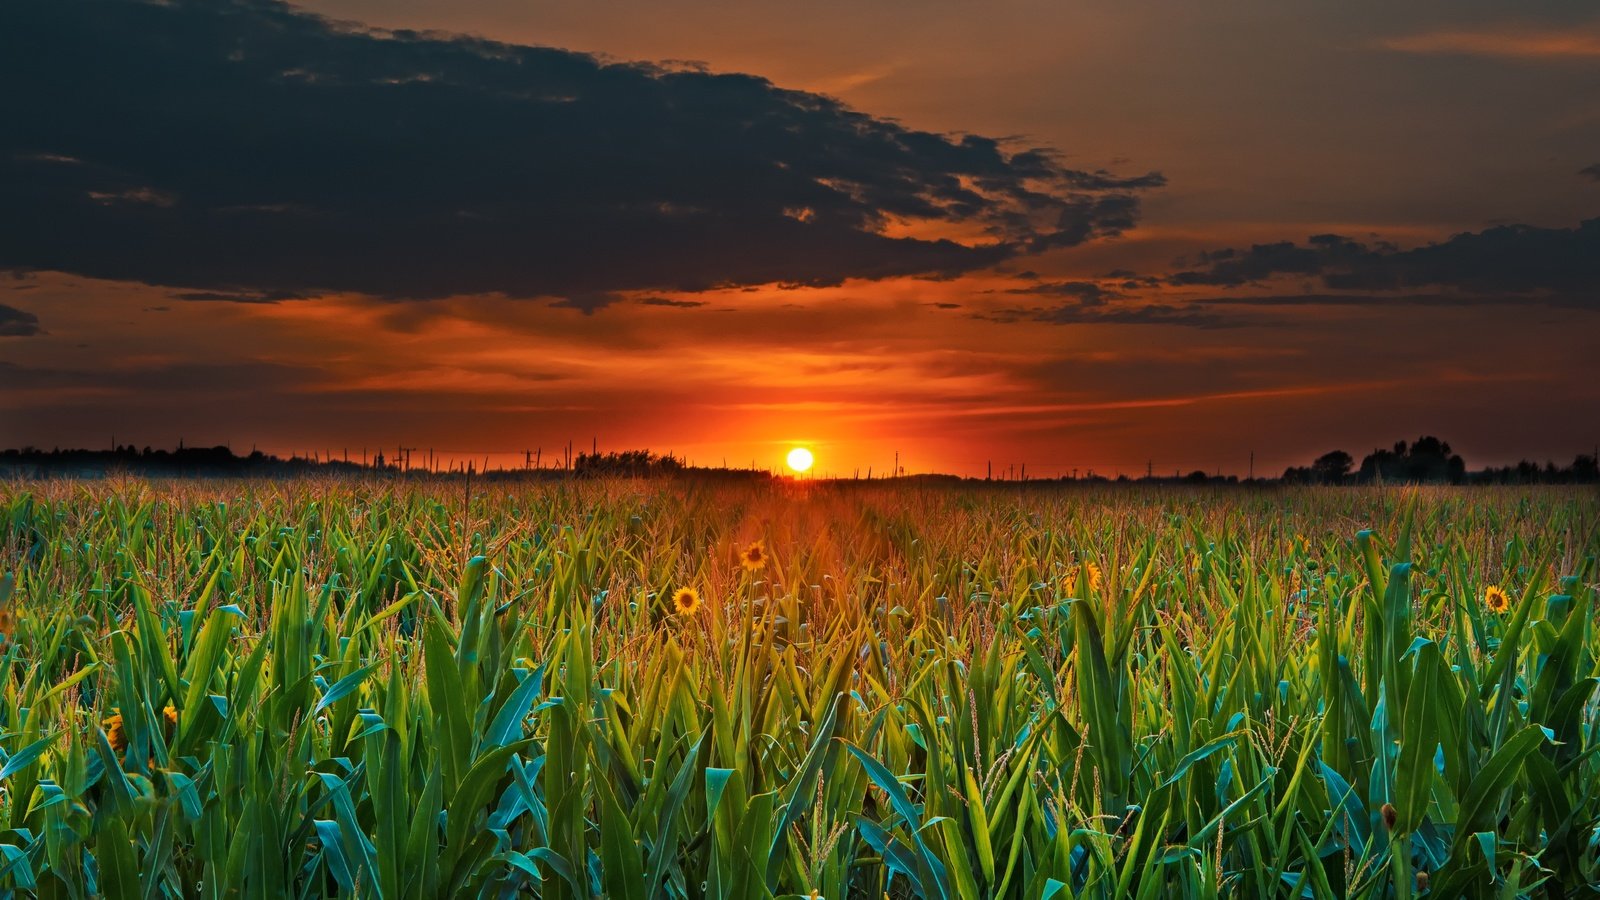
[{"x": 856, "y": 372}]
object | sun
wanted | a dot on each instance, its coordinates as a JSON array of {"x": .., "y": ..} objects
[{"x": 800, "y": 459}]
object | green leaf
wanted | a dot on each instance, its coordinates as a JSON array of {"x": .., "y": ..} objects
[
  {"x": 343, "y": 688},
  {"x": 25, "y": 757}
]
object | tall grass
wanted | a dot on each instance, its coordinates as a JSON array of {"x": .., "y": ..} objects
[{"x": 342, "y": 688}]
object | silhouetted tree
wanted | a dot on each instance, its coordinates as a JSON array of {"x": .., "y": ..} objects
[
  {"x": 626, "y": 462},
  {"x": 1427, "y": 460},
  {"x": 1333, "y": 467}
]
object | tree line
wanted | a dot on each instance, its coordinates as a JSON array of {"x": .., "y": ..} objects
[{"x": 1429, "y": 460}]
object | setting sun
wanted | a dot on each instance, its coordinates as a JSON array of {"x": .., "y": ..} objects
[{"x": 800, "y": 459}]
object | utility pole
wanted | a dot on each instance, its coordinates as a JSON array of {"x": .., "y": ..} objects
[{"x": 1252, "y": 465}]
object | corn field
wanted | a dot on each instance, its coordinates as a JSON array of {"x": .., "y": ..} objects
[{"x": 674, "y": 689}]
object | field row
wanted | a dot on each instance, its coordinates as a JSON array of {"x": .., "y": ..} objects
[{"x": 643, "y": 689}]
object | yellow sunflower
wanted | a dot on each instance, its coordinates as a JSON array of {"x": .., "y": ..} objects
[
  {"x": 115, "y": 736},
  {"x": 171, "y": 715},
  {"x": 685, "y": 600},
  {"x": 1496, "y": 599},
  {"x": 1094, "y": 574},
  {"x": 754, "y": 557}
]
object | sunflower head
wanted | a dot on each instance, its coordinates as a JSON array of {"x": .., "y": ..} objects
[
  {"x": 1496, "y": 599},
  {"x": 1093, "y": 571},
  {"x": 685, "y": 600},
  {"x": 754, "y": 557},
  {"x": 171, "y": 715},
  {"x": 115, "y": 736}
]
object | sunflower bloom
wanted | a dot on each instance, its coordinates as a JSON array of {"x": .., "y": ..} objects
[
  {"x": 1496, "y": 599},
  {"x": 171, "y": 715},
  {"x": 115, "y": 736},
  {"x": 685, "y": 600},
  {"x": 754, "y": 557},
  {"x": 1094, "y": 574}
]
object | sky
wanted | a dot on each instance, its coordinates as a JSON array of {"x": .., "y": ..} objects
[{"x": 1089, "y": 236}]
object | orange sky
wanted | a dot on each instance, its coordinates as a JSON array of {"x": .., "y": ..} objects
[
  {"x": 1397, "y": 128},
  {"x": 855, "y": 372}
]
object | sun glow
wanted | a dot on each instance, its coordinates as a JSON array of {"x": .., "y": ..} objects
[{"x": 800, "y": 459}]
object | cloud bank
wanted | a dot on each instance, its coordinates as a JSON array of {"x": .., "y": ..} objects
[
  {"x": 1511, "y": 261},
  {"x": 243, "y": 150}
]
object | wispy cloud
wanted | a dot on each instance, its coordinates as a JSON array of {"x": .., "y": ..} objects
[{"x": 1504, "y": 43}]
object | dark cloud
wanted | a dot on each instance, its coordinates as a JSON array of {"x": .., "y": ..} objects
[
  {"x": 18, "y": 322},
  {"x": 1321, "y": 253},
  {"x": 243, "y": 150},
  {"x": 589, "y": 302},
  {"x": 667, "y": 301},
  {"x": 238, "y": 296},
  {"x": 176, "y": 379},
  {"x": 1512, "y": 260},
  {"x": 1086, "y": 313},
  {"x": 1093, "y": 302},
  {"x": 1450, "y": 300},
  {"x": 1591, "y": 172},
  {"x": 1090, "y": 293},
  {"x": 1150, "y": 314}
]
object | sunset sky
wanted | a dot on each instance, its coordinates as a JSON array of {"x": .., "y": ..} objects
[{"x": 1077, "y": 235}]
